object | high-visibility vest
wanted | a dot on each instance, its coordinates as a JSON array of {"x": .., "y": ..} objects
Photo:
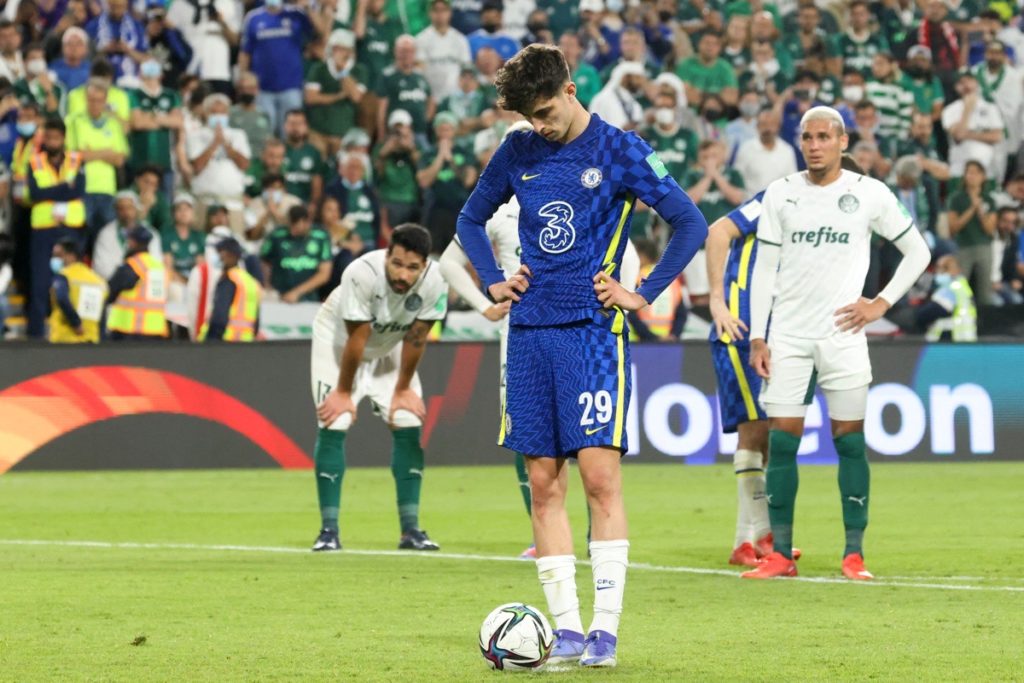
[
  {"x": 21, "y": 162},
  {"x": 660, "y": 313},
  {"x": 244, "y": 310},
  {"x": 88, "y": 292},
  {"x": 140, "y": 310},
  {"x": 46, "y": 176},
  {"x": 963, "y": 323}
]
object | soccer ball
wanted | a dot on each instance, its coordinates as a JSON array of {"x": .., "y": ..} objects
[{"x": 516, "y": 637}]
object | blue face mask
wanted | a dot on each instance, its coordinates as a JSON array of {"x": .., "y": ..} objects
[
  {"x": 26, "y": 129},
  {"x": 274, "y": 4},
  {"x": 150, "y": 70},
  {"x": 56, "y": 264},
  {"x": 943, "y": 280},
  {"x": 217, "y": 120}
]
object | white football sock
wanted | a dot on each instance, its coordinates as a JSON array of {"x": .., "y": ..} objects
[
  {"x": 752, "y": 508},
  {"x": 609, "y": 560},
  {"x": 558, "y": 579}
]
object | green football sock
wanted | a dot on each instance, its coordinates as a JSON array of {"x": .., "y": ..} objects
[
  {"x": 524, "y": 481},
  {"x": 407, "y": 468},
  {"x": 329, "y": 467},
  {"x": 854, "y": 487},
  {"x": 781, "y": 482}
]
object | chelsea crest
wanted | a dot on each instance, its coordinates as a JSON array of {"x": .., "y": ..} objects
[{"x": 591, "y": 178}]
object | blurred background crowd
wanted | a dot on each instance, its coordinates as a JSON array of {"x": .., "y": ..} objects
[{"x": 220, "y": 155}]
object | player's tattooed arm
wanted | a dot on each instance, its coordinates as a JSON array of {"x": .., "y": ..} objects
[{"x": 417, "y": 334}]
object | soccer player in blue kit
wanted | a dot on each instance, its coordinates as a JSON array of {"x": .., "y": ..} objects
[{"x": 577, "y": 180}]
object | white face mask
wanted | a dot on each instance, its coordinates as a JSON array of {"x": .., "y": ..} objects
[
  {"x": 664, "y": 116},
  {"x": 34, "y": 67},
  {"x": 853, "y": 93}
]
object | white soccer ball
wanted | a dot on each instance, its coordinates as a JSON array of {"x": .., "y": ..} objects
[{"x": 516, "y": 637}]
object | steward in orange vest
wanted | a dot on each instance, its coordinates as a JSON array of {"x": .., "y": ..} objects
[
  {"x": 138, "y": 292},
  {"x": 236, "y": 299}
]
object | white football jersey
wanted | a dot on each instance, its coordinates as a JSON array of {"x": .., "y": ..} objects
[
  {"x": 824, "y": 235},
  {"x": 503, "y": 231},
  {"x": 364, "y": 295}
]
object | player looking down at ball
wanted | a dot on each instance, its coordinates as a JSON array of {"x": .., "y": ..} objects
[{"x": 577, "y": 180}]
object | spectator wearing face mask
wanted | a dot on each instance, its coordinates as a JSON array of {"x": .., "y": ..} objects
[
  {"x": 617, "y": 102},
  {"x": 77, "y": 296},
  {"x": 269, "y": 210},
  {"x": 675, "y": 144},
  {"x": 156, "y": 117},
  {"x": 358, "y": 204},
  {"x": 490, "y": 33},
  {"x": 334, "y": 88},
  {"x": 764, "y": 75},
  {"x": 40, "y": 85},
  {"x": 744, "y": 126},
  {"x": 220, "y": 156},
  {"x": 111, "y": 243},
  {"x": 167, "y": 46},
  {"x": 247, "y": 116},
  {"x": 920, "y": 80}
]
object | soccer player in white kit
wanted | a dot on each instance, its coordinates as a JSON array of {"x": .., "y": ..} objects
[
  {"x": 503, "y": 231},
  {"x": 814, "y": 250},
  {"x": 368, "y": 339}
]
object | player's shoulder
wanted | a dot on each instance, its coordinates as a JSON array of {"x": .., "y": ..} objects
[
  {"x": 784, "y": 186},
  {"x": 366, "y": 269},
  {"x": 746, "y": 215},
  {"x": 432, "y": 283}
]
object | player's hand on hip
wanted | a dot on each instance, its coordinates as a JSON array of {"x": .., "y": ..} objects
[
  {"x": 611, "y": 294},
  {"x": 512, "y": 288},
  {"x": 854, "y": 317},
  {"x": 760, "y": 358},
  {"x": 497, "y": 311},
  {"x": 406, "y": 399},
  {"x": 335, "y": 404},
  {"x": 725, "y": 322}
]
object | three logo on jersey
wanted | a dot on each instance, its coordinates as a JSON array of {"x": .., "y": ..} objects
[{"x": 559, "y": 234}]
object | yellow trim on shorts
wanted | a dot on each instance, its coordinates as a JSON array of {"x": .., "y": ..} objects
[
  {"x": 618, "y": 327},
  {"x": 748, "y": 249},
  {"x": 741, "y": 378},
  {"x": 617, "y": 237},
  {"x": 501, "y": 429}
]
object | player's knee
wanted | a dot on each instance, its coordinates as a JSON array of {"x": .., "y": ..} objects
[{"x": 403, "y": 419}]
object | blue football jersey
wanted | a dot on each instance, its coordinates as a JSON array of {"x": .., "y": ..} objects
[
  {"x": 740, "y": 265},
  {"x": 576, "y": 202}
]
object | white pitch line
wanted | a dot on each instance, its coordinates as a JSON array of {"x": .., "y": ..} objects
[{"x": 902, "y": 582}]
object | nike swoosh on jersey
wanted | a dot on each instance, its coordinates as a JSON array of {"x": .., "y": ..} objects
[
  {"x": 590, "y": 432},
  {"x": 527, "y": 176}
]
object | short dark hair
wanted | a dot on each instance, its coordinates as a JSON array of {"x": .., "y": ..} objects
[
  {"x": 1008, "y": 209},
  {"x": 150, "y": 169},
  {"x": 537, "y": 72},
  {"x": 55, "y": 123},
  {"x": 101, "y": 68},
  {"x": 411, "y": 237},
  {"x": 976, "y": 164},
  {"x": 297, "y": 213},
  {"x": 71, "y": 245},
  {"x": 29, "y": 105},
  {"x": 864, "y": 104},
  {"x": 271, "y": 178},
  {"x": 295, "y": 112},
  {"x": 862, "y": 3}
]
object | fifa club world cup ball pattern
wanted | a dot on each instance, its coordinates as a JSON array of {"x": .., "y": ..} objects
[{"x": 516, "y": 637}]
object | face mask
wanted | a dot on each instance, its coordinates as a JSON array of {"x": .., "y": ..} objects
[
  {"x": 246, "y": 98},
  {"x": 664, "y": 116},
  {"x": 213, "y": 258},
  {"x": 943, "y": 280},
  {"x": 749, "y": 109},
  {"x": 665, "y": 16},
  {"x": 712, "y": 114},
  {"x": 34, "y": 67},
  {"x": 614, "y": 6},
  {"x": 918, "y": 71},
  {"x": 217, "y": 120},
  {"x": 274, "y": 4},
  {"x": 853, "y": 93},
  {"x": 150, "y": 70},
  {"x": 26, "y": 129},
  {"x": 274, "y": 196},
  {"x": 56, "y": 264}
]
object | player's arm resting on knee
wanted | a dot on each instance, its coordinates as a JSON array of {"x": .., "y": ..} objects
[
  {"x": 339, "y": 399},
  {"x": 453, "y": 267},
  {"x": 492, "y": 190},
  {"x": 762, "y": 283},
  {"x": 413, "y": 344},
  {"x": 720, "y": 235}
]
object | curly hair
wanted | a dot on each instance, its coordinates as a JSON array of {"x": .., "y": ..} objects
[{"x": 537, "y": 72}]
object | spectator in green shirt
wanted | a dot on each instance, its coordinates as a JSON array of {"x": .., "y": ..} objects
[
  {"x": 811, "y": 39},
  {"x": 303, "y": 164},
  {"x": 446, "y": 175},
  {"x": 586, "y": 78},
  {"x": 403, "y": 87},
  {"x": 920, "y": 80},
  {"x": 375, "y": 33},
  {"x": 155, "y": 117},
  {"x": 676, "y": 145},
  {"x": 715, "y": 188},
  {"x": 395, "y": 161},
  {"x": 972, "y": 222},
  {"x": 39, "y": 84},
  {"x": 270, "y": 162},
  {"x": 152, "y": 202},
  {"x": 334, "y": 88},
  {"x": 468, "y": 103},
  {"x": 707, "y": 72},
  {"x": 297, "y": 259},
  {"x": 183, "y": 245},
  {"x": 861, "y": 41}
]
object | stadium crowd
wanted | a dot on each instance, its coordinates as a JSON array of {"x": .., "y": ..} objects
[{"x": 219, "y": 154}]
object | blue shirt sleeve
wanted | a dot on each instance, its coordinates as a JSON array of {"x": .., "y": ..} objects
[
  {"x": 492, "y": 190},
  {"x": 689, "y": 230},
  {"x": 746, "y": 215},
  {"x": 62, "y": 293},
  {"x": 642, "y": 172}
]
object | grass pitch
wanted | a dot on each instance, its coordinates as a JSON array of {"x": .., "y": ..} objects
[{"x": 207, "y": 576}]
